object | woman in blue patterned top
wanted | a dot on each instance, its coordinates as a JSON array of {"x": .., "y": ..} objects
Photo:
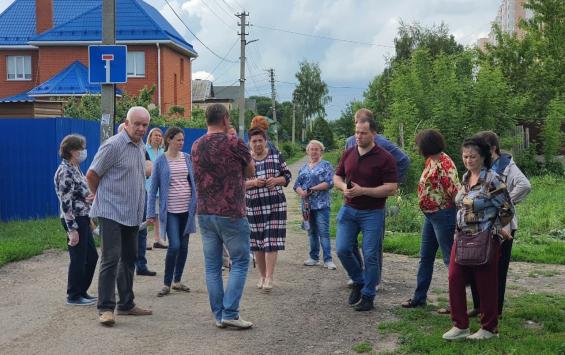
[
  {"x": 313, "y": 185},
  {"x": 483, "y": 203}
]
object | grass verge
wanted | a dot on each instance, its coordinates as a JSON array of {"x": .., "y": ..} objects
[
  {"x": 532, "y": 324},
  {"x": 21, "y": 240}
]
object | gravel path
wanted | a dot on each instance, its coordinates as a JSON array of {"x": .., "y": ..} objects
[{"x": 307, "y": 311}]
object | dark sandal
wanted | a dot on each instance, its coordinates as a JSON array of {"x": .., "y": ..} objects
[
  {"x": 181, "y": 287},
  {"x": 164, "y": 291},
  {"x": 412, "y": 304}
]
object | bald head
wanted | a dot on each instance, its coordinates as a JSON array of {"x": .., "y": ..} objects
[{"x": 137, "y": 122}]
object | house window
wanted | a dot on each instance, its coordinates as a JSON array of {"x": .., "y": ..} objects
[
  {"x": 19, "y": 67},
  {"x": 136, "y": 64},
  {"x": 181, "y": 70}
]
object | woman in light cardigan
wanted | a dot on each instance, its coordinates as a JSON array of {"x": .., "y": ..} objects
[
  {"x": 155, "y": 150},
  {"x": 172, "y": 181}
]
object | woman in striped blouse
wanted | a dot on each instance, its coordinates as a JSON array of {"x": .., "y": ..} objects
[{"x": 172, "y": 181}]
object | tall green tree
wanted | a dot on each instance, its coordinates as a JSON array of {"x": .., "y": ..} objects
[{"x": 311, "y": 93}]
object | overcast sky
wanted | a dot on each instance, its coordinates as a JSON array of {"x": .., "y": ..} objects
[{"x": 346, "y": 67}]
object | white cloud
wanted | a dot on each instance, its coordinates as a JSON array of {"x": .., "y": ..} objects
[
  {"x": 204, "y": 75},
  {"x": 342, "y": 64}
]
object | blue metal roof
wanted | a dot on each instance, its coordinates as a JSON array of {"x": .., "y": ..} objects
[
  {"x": 21, "y": 97},
  {"x": 17, "y": 22},
  {"x": 71, "y": 81},
  {"x": 136, "y": 20}
]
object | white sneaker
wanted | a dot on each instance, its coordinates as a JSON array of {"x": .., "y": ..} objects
[
  {"x": 219, "y": 324},
  {"x": 482, "y": 334},
  {"x": 330, "y": 265},
  {"x": 350, "y": 283},
  {"x": 456, "y": 334},
  {"x": 237, "y": 323},
  {"x": 312, "y": 262}
]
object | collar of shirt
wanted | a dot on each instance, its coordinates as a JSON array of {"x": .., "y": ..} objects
[{"x": 482, "y": 177}]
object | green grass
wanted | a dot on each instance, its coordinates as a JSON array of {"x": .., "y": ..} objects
[
  {"x": 540, "y": 237},
  {"x": 532, "y": 324},
  {"x": 362, "y": 347},
  {"x": 22, "y": 240}
]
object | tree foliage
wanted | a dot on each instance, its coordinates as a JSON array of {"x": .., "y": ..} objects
[{"x": 311, "y": 93}]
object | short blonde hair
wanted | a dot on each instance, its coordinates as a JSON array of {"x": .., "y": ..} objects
[{"x": 315, "y": 142}]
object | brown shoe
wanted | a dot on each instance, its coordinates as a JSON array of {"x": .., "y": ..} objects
[
  {"x": 107, "y": 318},
  {"x": 135, "y": 311}
]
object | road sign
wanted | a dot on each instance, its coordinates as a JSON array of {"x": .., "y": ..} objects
[{"x": 107, "y": 64}]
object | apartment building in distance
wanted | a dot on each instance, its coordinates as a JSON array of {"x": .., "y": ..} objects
[{"x": 508, "y": 17}]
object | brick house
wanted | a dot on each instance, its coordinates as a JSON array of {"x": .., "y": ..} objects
[{"x": 40, "y": 39}]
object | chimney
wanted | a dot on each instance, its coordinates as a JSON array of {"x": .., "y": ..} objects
[{"x": 43, "y": 15}]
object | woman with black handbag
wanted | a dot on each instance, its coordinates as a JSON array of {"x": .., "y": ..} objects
[{"x": 484, "y": 208}]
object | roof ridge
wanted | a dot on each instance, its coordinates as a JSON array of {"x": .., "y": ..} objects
[
  {"x": 52, "y": 29},
  {"x": 136, "y": 2}
]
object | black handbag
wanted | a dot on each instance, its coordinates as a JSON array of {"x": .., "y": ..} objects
[{"x": 474, "y": 249}]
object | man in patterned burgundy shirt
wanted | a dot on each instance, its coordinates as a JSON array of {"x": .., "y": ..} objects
[{"x": 221, "y": 164}]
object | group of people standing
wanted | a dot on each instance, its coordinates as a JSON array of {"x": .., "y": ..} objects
[{"x": 235, "y": 192}]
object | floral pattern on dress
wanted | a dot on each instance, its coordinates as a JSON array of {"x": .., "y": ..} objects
[
  {"x": 308, "y": 178},
  {"x": 438, "y": 184}
]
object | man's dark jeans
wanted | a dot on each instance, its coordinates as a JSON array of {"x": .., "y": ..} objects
[
  {"x": 141, "y": 262},
  {"x": 119, "y": 252}
]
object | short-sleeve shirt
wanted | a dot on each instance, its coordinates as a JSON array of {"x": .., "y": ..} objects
[
  {"x": 310, "y": 177},
  {"x": 219, "y": 162},
  {"x": 372, "y": 169},
  {"x": 120, "y": 164}
]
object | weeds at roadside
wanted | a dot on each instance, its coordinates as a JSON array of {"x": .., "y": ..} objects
[{"x": 420, "y": 329}]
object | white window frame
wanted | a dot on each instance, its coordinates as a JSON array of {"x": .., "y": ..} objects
[
  {"x": 21, "y": 68},
  {"x": 137, "y": 65}
]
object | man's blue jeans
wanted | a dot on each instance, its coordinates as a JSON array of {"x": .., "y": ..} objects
[
  {"x": 371, "y": 223},
  {"x": 234, "y": 234},
  {"x": 438, "y": 231},
  {"x": 319, "y": 233},
  {"x": 177, "y": 251}
]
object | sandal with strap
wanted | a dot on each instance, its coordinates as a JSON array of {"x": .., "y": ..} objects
[
  {"x": 446, "y": 310},
  {"x": 180, "y": 287},
  {"x": 164, "y": 291}
]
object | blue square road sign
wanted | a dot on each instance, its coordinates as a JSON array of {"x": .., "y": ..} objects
[{"x": 107, "y": 64}]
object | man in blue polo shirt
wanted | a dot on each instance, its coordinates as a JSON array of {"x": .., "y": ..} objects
[{"x": 366, "y": 174}]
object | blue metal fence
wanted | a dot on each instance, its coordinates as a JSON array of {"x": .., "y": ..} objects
[{"x": 29, "y": 158}]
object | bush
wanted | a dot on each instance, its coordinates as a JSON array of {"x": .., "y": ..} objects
[{"x": 290, "y": 150}]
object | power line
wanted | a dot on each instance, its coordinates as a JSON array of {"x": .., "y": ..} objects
[
  {"x": 228, "y": 11},
  {"x": 223, "y": 59},
  {"x": 330, "y": 86},
  {"x": 228, "y": 5},
  {"x": 323, "y": 37},
  {"x": 219, "y": 18},
  {"x": 192, "y": 33}
]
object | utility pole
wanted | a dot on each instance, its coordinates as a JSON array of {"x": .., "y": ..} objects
[
  {"x": 293, "y": 120},
  {"x": 107, "y": 121},
  {"x": 242, "y": 34},
  {"x": 274, "y": 104}
]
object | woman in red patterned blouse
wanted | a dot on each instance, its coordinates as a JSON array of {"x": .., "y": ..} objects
[{"x": 437, "y": 188}]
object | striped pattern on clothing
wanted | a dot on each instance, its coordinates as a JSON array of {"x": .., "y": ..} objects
[
  {"x": 266, "y": 209},
  {"x": 120, "y": 164},
  {"x": 179, "y": 188}
]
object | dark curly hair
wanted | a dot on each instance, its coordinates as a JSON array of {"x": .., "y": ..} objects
[
  {"x": 430, "y": 142},
  {"x": 481, "y": 146}
]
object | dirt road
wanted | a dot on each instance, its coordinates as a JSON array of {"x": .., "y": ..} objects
[{"x": 307, "y": 312}]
